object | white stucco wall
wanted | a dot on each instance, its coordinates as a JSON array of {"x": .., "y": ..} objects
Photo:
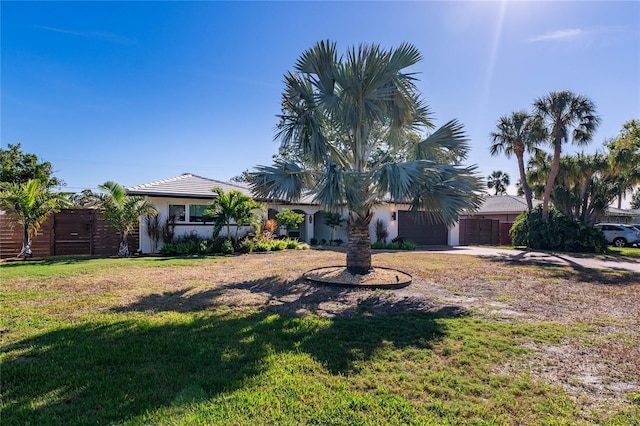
[
  {"x": 313, "y": 225},
  {"x": 454, "y": 235},
  {"x": 181, "y": 228}
]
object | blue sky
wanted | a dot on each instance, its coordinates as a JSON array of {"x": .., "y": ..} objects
[{"x": 136, "y": 92}]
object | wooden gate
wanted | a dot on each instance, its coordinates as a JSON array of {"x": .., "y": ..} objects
[
  {"x": 73, "y": 230},
  {"x": 479, "y": 231}
]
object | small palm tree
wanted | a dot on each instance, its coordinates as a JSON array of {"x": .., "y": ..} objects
[
  {"x": 567, "y": 117},
  {"x": 233, "y": 206},
  {"x": 247, "y": 215},
  {"x": 337, "y": 111},
  {"x": 29, "y": 204},
  {"x": 516, "y": 134},
  {"x": 122, "y": 211},
  {"x": 499, "y": 181}
]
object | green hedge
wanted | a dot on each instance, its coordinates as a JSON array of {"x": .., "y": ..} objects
[
  {"x": 558, "y": 232},
  {"x": 193, "y": 244},
  {"x": 394, "y": 245}
]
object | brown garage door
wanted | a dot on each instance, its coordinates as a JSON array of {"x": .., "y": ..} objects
[{"x": 419, "y": 231}]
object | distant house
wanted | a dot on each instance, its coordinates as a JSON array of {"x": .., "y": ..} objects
[
  {"x": 616, "y": 215},
  {"x": 491, "y": 223}
]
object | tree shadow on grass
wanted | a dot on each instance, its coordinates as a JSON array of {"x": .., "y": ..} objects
[
  {"x": 117, "y": 369},
  {"x": 297, "y": 297},
  {"x": 576, "y": 272},
  {"x": 48, "y": 261}
]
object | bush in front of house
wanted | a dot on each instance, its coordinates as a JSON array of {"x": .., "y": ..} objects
[
  {"x": 192, "y": 244},
  {"x": 558, "y": 232},
  {"x": 277, "y": 244},
  {"x": 394, "y": 245},
  {"x": 247, "y": 246},
  {"x": 227, "y": 247}
]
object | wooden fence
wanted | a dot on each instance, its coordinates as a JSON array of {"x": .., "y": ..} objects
[{"x": 68, "y": 232}]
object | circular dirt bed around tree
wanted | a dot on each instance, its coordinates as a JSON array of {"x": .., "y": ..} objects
[{"x": 379, "y": 277}]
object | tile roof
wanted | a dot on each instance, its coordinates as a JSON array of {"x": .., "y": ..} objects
[
  {"x": 185, "y": 186},
  {"x": 614, "y": 211},
  {"x": 504, "y": 204}
]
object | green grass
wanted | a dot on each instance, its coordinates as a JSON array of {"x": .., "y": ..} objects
[
  {"x": 86, "y": 359},
  {"x": 631, "y": 253}
]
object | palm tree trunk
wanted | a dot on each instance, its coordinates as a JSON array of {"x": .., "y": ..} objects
[
  {"x": 26, "y": 244},
  {"x": 523, "y": 181},
  {"x": 553, "y": 173},
  {"x": 359, "y": 245},
  {"x": 123, "y": 251}
]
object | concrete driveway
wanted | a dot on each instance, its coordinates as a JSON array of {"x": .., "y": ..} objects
[{"x": 562, "y": 259}]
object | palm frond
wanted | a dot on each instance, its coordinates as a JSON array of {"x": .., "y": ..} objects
[
  {"x": 282, "y": 181},
  {"x": 330, "y": 190},
  {"x": 448, "y": 139},
  {"x": 399, "y": 179},
  {"x": 458, "y": 189}
]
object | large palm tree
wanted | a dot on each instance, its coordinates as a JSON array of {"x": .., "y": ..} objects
[
  {"x": 29, "y": 204},
  {"x": 499, "y": 181},
  {"x": 567, "y": 117},
  {"x": 516, "y": 134},
  {"x": 236, "y": 206},
  {"x": 337, "y": 112},
  {"x": 123, "y": 211}
]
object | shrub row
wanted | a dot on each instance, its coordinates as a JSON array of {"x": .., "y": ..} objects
[
  {"x": 338, "y": 242},
  {"x": 193, "y": 244},
  {"x": 262, "y": 245},
  {"x": 394, "y": 245}
]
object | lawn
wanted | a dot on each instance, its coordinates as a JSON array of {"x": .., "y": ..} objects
[{"x": 241, "y": 340}]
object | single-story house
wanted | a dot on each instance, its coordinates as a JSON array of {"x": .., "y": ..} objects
[
  {"x": 186, "y": 197},
  {"x": 616, "y": 215}
]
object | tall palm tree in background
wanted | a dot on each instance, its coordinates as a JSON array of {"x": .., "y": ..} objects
[
  {"x": 29, "y": 204},
  {"x": 336, "y": 113},
  {"x": 538, "y": 170},
  {"x": 498, "y": 181},
  {"x": 567, "y": 117},
  {"x": 578, "y": 188},
  {"x": 122, "y": 211},
  {"x": 516, "y": 134},
  {"x": 624, "y": 157}
]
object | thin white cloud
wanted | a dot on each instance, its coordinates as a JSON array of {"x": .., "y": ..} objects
[
  {"x": 113, "y": 38},
  {"x": 558, "y": 35}
]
